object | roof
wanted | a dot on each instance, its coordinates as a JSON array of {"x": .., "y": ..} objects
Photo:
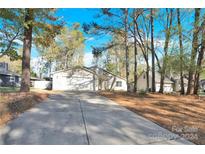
[
  {"x": 157, "y": 77},
  {"x": 89, "y": 69},
  {"x": 94, "y": 67},
  {"x": 74, "y": 68},
  {"x": 177, "y": 79},
  {"x": 8, "y": 73},
  {"x": 34, "y": 78}
]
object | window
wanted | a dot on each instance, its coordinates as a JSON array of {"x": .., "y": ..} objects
[
  {"x": 11, "y": 78},
  {"x": 119, "y": 84}
]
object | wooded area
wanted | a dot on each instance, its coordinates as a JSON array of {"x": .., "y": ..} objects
[
  {"x": 168, "y": 41},
  {"x": 175, "y": 50}
]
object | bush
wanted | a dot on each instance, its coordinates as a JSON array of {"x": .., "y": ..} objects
[{"x": 142, "y": 92}]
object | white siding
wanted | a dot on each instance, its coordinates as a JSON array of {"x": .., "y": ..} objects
[
  {"x": 77, "y": 79},
  {"x": 42, "y": 84},
  {"x": 142, "y": 84},
  {"x": 167, "y": 87},
  {"x": 108, "y": 84},
  {"x": 80, "y": 79},
  {"x": 121, "y": 88},
  {"x": 157, "y": 87}
]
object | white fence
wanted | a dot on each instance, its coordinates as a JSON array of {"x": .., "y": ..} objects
[{"x": 42, "y": 84}]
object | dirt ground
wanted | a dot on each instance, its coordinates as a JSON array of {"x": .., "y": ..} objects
[
  {"x": 183, "y": 115},
  {"x": 13, "y": 104},
  {"x": 41, "y": 91}
]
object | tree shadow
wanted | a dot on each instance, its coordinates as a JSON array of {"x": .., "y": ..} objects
[{"x": 82, "y": 118}]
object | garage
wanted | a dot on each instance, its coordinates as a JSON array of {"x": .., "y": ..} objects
[{"x": 74, "y": 79}]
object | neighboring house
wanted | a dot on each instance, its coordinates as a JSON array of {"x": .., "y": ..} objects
[
  {"x": 91, "y": 79},
  {"x": 45, "y": 83},
  {"x": 8, "y": 78},
  {"x": 142, "y": 82},
  {"x": 177, "y": 83},
  {"x": 202, "y": 84},
  {"x": 33, "y": 80}
]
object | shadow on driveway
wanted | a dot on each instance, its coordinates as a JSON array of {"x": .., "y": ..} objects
[{"x": 84, "y": 118}]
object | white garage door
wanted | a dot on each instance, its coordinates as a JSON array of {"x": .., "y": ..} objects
[
  {"x": 79, "y": 83},
  {"x": 74, "y": 82}
]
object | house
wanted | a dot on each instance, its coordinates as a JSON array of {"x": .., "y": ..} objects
[
  {"x": 108, "y": 80},
  {"x": 89, "y": 79},
  {"x": 177, "y": 83},
  {"x": 8, "y": 78},
  {"x": 33, "y": 80},
  {"x": 142, "y": 82},
  {"x": 45, "y": 83},
  {"x": 202, "y": 84}
]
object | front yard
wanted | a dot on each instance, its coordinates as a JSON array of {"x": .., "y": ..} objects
[
  {"x": 9, "y": 89},
  {"x": 14, "y": 103},
  {"x": 183, "y": 115}
]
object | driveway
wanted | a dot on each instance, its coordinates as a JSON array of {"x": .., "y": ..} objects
[{"x": 84, "y": 118}]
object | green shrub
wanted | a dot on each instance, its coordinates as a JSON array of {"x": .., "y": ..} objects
[{"x": 142, "y": 92}]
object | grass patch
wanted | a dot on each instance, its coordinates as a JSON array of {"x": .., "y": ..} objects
[{"x": 9, "y": 89}]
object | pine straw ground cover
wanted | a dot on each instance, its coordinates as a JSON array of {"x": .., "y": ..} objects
[
  {"x": 183, "y": 115},
  {"x": 13, "y": 104}
]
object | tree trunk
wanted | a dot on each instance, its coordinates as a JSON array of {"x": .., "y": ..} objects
[
  {"x": 181, "y": 51},
  {"x": 135, "y": 54},
  {"x": 144, "y": 49},
  {"x": 166, "y": 46},
  {"x": 113, "y": 82},
  {"x": 200, "y": 59},
  {"x": 194, "y": 51},
  {"x": 153, "y": 52},
  {"x": 147, "y": 74},
  {"x": 126, "y": 47},
  {"x": 50, "y": 68},
  {"x": 27, "y": 43}
]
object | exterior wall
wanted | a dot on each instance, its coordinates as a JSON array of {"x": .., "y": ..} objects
[
  {"x": 8, "y": 80},
  {"x": 42, "y": 84},
  {"x": 167, "y": 87},
  {"x": 202, "y": 84},
  {"x": 123, "y": 87},
  {"x": 3, "y": 66},
  {"x": 178, "y": 86},
  {"x": 142, "y": 84},
  {"x": 77, "y": 79},
  {"x": 157, "y": 85},
  {"x": 107, "y": 84}
]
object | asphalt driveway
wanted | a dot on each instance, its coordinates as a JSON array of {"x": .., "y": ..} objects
[{"x": 84, "y": 118}]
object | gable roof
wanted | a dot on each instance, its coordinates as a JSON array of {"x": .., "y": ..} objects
[
  {"x": 8, "y": 73},
  {"x": 74, "y": 68},
  {"x": 106, "y": 71},
  {"x": 177, "y": 79},
  {"x": 88, "y": 69}
]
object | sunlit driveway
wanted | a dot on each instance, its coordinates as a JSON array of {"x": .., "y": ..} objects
[{"x": 84, "y": 118}]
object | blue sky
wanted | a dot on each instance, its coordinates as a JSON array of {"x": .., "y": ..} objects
[{"x": 83, "y": 15}]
